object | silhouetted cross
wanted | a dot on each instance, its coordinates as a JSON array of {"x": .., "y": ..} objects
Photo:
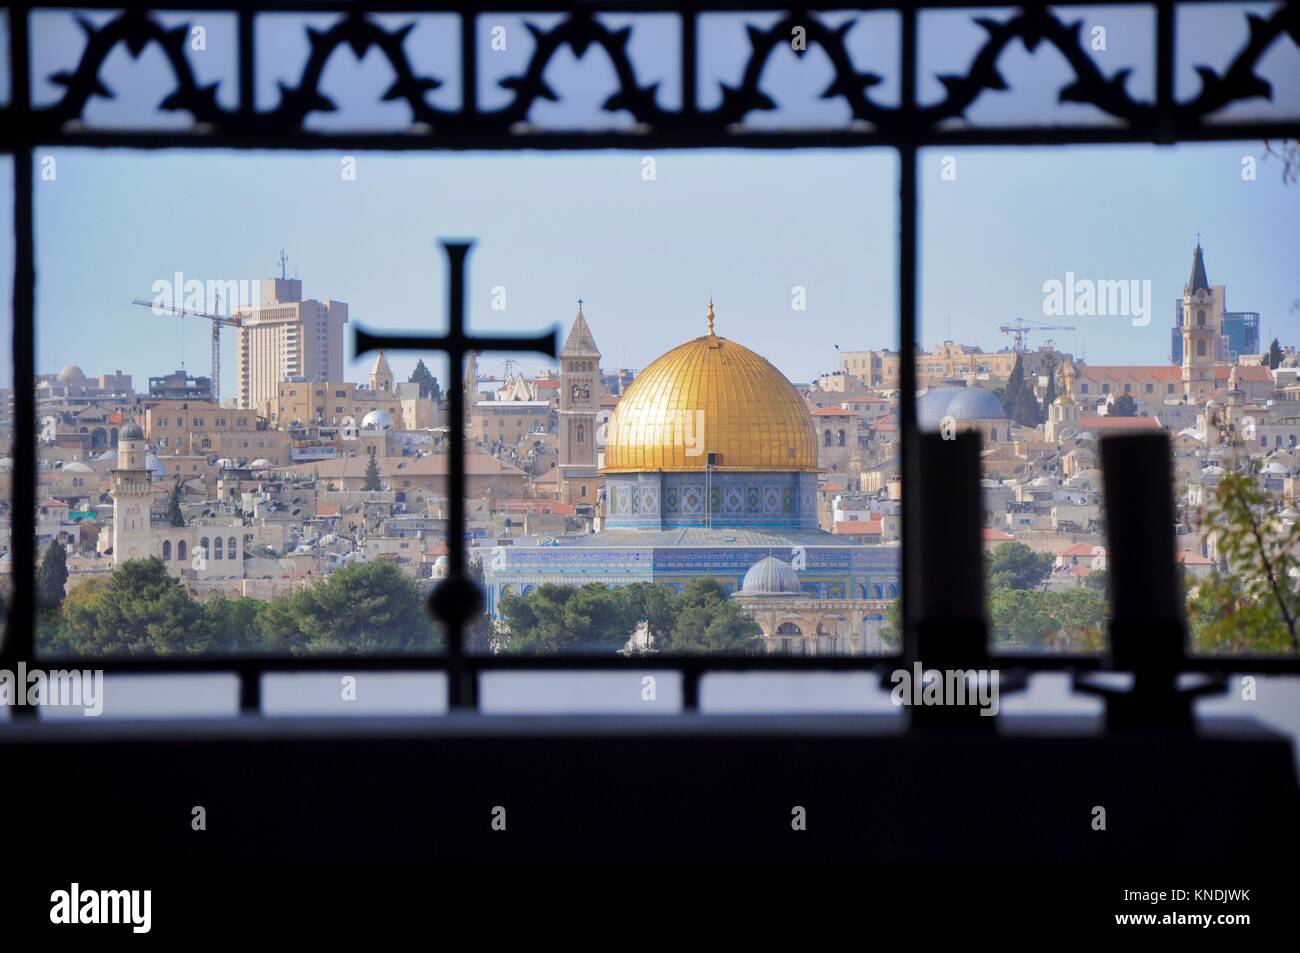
[{"x": 456, "y": 599}]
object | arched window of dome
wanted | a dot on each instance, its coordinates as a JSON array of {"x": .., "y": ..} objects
[
  {"x": 167, "y": 550},
  {"x": 205, "y": 544},
  {"x": 180, "y": 550},
  {"x": 230, "y": 548},
  {"x": 217, "y": 550}
]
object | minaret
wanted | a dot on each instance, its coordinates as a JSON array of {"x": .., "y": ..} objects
[
  {"x": 381, "y": 375},
  {"x": 1202, "y": 326},
  {"x": 580, "y": 391},
  {"x": 132, "y": 497}
]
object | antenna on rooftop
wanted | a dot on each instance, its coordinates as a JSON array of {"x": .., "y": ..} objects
[{"x": 284, "y": 264}]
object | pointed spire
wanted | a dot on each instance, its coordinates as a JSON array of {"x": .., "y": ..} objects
[
  {"x": 580, "y": 342},
  {"x": 1199, "y": 280}
]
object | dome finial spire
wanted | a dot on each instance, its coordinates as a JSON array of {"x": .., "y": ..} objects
[{"x": 710, "y": 314}]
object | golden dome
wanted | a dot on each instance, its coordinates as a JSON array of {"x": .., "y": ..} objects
[{"x": 710, "y": 396}]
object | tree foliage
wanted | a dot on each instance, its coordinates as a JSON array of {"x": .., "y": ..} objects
[
  {"x": 365, "y": 608},
  {"x": 596, "y": 618},
  {"x": 428, "y": 383},
  {"x": 372, "y": 479},
  {"x": 1016, "y": 566},
  {"x": 52, "y": 576},
  {"x": 1124, "y": 406},
  {"x": 1073, "y": 620},
  {"x": 1018, "y": 400},
  {"x": 1274, "y": 355},
  {"x": 140, "y": 609},
  {"x": 1254, "y": 606}
]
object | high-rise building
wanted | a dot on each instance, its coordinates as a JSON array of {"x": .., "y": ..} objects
[
  {"x": 284, "y": 337},
  {"x": 581, "y": 385},
  {"x": 1241, "y": 328}
]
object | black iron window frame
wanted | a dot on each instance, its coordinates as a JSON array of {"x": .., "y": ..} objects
[{"x": 905, "y": 128}]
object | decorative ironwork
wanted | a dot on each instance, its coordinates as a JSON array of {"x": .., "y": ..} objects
[{"x": 583, "y": 30}]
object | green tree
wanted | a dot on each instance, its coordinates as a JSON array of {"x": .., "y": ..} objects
[
  {"x": 1274, "y": 355},
  {"x": 1098, "y": 581},
  {"x": 1255, "y": 605},
  {"x": 1015, "y": 385},
  {"x": 175, "y": 516},
  {"x": 1018, "y": 400},
  {"x": 1016, "y": 566},
  {"x": 479, "y": 635},
  {"x": 891, "y": 630},
  {"x": 372, "y": 480},
  {"x": 1020, "y": 618},
  {"x": 52, "y": 576},
  {"x": 1080, "y": 619},
  {"x": 554, "y": 619},
  {"x": 362, "y": 608},
  {"x": 1026, "y": 412},
  {"x": 139, "y": 610},
  {"x": 708, "y": 621},
  {"x": 1124, "y": 406},
  {"x": 653, "y": 604},
  {"x": 428, "y": 383},
  {"x": 234, "y": 625}
]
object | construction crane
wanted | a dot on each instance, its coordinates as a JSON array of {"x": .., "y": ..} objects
[
  {"x": 1021, "y": 327},
  {"x": 218, "y": 321}
]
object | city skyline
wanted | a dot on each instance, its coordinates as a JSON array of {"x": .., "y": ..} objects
[{"x": 613, "y": 239}]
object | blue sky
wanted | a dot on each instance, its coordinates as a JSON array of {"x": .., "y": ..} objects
[{"x": 644, "y": 255}]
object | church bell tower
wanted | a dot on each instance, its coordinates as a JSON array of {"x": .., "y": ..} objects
[
  {"x": 1202, "y": 328},
  {"x": 580, "y": 392}
]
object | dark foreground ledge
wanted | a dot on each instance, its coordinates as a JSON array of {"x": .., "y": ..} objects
[{"x": 685, "y": 788}]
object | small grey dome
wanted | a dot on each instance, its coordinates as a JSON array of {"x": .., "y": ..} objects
[
  {"x": 770, "y": 577},
  {"x": 131, "y": 431},
  {"x": 932, "y": 406},
  {"x": 975, "y": 403}
]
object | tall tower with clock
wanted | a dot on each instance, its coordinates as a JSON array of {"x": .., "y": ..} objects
[{"x": 580, "y": 392}]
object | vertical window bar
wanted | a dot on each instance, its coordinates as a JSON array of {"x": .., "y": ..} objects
[
  {"x": 907, "y": 268},
  {"x": 20, "y": 638}
]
